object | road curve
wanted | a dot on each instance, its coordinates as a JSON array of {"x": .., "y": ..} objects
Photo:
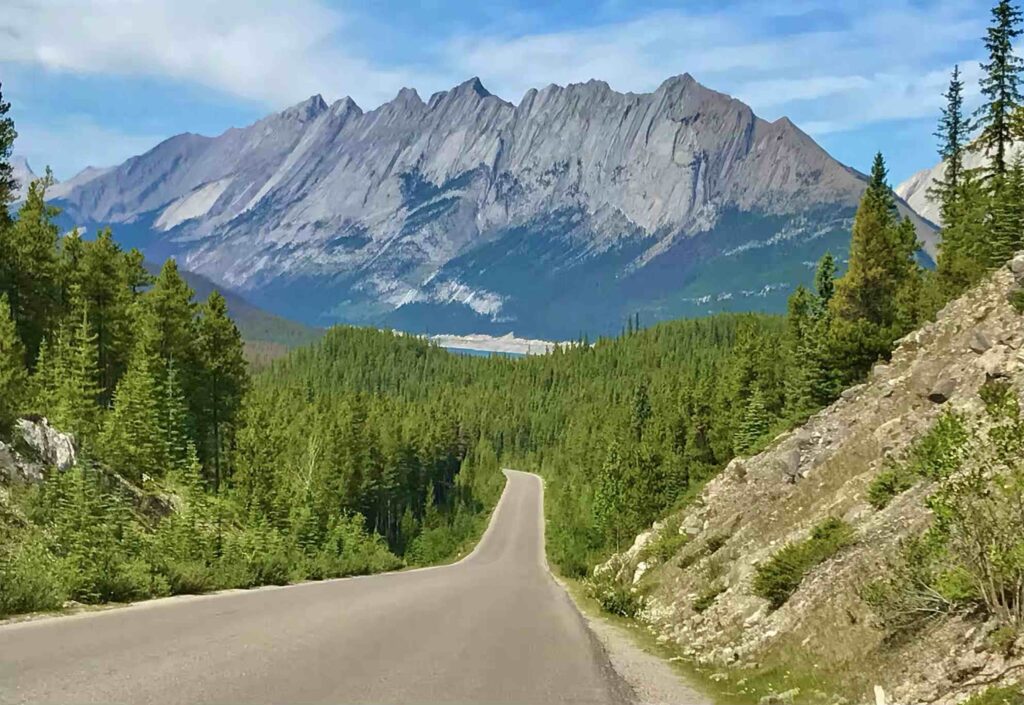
[{"x": 493, "y": 628}]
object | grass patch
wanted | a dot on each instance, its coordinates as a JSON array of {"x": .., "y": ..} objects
[
  {"x": 1002, "y": 695},
  {"x": 779, "y": 577}
]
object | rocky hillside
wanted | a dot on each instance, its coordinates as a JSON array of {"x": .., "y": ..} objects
[
  {"x": 796, "y": 571},
  {"x": 466, "y": 213}
]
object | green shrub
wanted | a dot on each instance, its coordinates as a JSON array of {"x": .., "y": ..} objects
[
  {"x": 1001, "y": 695},
  {"x": 1002, "y": 639},
  {"x": 935, "y": 456},
  {"x": 667, "y": 543},
  {"x": 615, "y": 597},
  {"x": 1016, "y": 299},
  {"x": 889, "y": 483},
  {"x": 707, "y": 597},
  {"x": 779, "y": 577},
  {"x": 31, "y": 578},
  {"x": 940, "y": 452}
]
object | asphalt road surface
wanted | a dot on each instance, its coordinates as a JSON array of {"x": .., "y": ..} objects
[{"x": 493, "y": 628}]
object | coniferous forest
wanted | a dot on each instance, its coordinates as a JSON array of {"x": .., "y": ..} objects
[{"x": 371, "y": 450}]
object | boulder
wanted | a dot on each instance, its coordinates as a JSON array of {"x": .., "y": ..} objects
[
  {"x": 942, "y": 390},
  {"x": 52, "y": 447},
  {"x": 980, "y": 342},
  {"x": 1017, "y": 267}
]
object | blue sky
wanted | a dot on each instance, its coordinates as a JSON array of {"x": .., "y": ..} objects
[{"x": 95, "y": 81}]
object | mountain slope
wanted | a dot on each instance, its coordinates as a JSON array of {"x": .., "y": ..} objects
[
  {"x": 23, "y": 174},
  {"x": 469, "y": 213},
  {"x": 871, "y": 610}
]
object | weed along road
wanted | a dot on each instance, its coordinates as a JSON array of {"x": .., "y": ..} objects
[{"x": 494, "y": 627}]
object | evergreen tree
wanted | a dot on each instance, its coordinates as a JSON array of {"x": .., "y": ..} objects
[
  {"x": 173, "y": 420},
  {"x": 953, "y": 134},
  {"x": 13, "y": 376},
  {"x": 105, "y": 285},
  {"x": 224, "y": 379},
  {"x": 8, "y": 184},
  {"x": 75, "y": 374},
  {"x": 755, "y": 423},
  {"x": 966, "y": 235},
  {"x": 1000, "y": 85},
  {"x": 29, "y": 252},
  {"x": 640, "y": 409},
  {"x": 875, "y": 300},
  {"x": 171, "y": 303},
  {"x": 825, "y": 281},
  {"x": 132, "y": 440},
  {"x": 800, "y": 320}
]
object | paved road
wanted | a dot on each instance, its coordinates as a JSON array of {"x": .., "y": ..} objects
[{"x": 493, "y": 628}]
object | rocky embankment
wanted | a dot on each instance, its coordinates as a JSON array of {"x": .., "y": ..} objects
[{"x": 698, "y": 583}]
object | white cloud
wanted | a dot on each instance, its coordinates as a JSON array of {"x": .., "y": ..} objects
[
  {"x": 877, "y": 60},
  {"x": 275, "y": 51},
  {"x": 868, "y": 61}
]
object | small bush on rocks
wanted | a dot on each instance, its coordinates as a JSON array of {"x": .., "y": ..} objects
[{"x": 779, "y": 577}]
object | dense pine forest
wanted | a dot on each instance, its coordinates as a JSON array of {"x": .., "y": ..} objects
[{"x": 370, "y": 450}]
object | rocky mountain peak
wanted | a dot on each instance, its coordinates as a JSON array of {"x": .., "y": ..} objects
[
  {"x": 389, "y": 209},
  {"x": 309, "y": 109}
]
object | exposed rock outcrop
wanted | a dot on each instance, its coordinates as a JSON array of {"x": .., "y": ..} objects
[{"x": 35, "y": 447}]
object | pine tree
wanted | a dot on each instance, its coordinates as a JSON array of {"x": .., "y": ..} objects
[
  {"x": 132, "y": 441},
  {"x": 966, "y": 237},
  {"x": 825, "y": 281},
  {"x": 640, "y": 409},
  {"x": 800, "y": 318},
  {"x": 173, "y": 420},
  {"x": 953, "y": 134},
  {"x": 75, "y": 374},
  {"x": 1000, "y": 86},
  {"x": 224, "y": 379},
  {"x": 875, "y": 300},
  {"x": 30, "y": 271},
  {"x": 755, "y": 423},
  {"x": 8, "y": 184},
  {"x": 171, "y": 303},
  {"x": 13, "y": 375},
  {"x": 106, "y": 287}
]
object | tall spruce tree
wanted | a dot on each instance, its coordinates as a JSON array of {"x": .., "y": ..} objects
[
  {"x": 132, "y": 441},
  {"x": 13, "y": 375},
  {"x": 106, "y": 287},
  {"x": 29, "y": 250},
  {"x": 1000, "y": 85},
  {"x": 224, "y": 379},
  {"x": 953, "y": 133},
  {"x": 8, "y": 184},
  {"x": 874, "y": 300},
  {"x": 74, "y": 372}
]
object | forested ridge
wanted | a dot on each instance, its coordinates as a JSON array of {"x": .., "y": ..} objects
[{"x": 371, "y": 450}]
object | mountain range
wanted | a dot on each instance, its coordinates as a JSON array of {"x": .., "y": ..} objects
[{"x": 465, "y": 213}]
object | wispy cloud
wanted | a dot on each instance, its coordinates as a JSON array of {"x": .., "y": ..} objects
[
  {"x": 275, "y": 51},
  {"x": 873, "y": 60},
  {"x": 833, "y": 66}
]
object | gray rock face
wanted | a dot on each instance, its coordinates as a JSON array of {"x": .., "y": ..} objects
[
  {"x": 23, "y": 174},
  {"x": 41, "y": 447},
  {"x": 487, "y": 209}
]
